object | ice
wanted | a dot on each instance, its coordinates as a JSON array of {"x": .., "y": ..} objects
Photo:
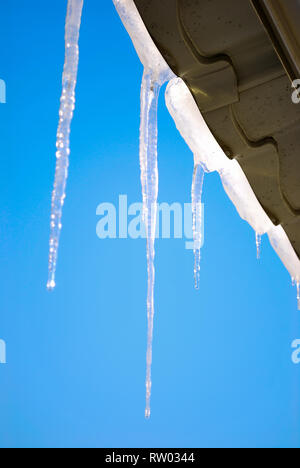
[
  {"x": 149, "y": 179},
  {"x": 208, "y": 156},
  {"x": 282, "y": 246},
  {"x": 207, "y": 152},
  {"x": 67, "y": 106},
  {"x": 258, "y": 245},
  {"x": 156, "y": 73},
  {"x": 142, "y": 41},
  {"x": 197, "y": 188}
]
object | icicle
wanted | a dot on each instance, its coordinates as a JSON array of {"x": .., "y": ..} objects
[
  {"x": 67, "y": 106},
  {"x": 197, "y": 188},
  {"x": 156, "y": 73},
  {"x": 149, "y": 178},
  {"x": 293, "y": 282},
  {"x": 151, "y": 85},
  {"x": 258, "y": 245}
]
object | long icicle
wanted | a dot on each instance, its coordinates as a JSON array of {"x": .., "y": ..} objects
[
  {"x": 197, "y": 188},
  {"x": 149, "y": 179},
  {"x": 67, "y": 106}
]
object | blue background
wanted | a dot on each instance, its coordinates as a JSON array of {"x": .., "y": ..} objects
[{"x": 222, "y": 371}]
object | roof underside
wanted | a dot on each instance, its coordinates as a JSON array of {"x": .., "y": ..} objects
[{"x": 223, "y": 52}]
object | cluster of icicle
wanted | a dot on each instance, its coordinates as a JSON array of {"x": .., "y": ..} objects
[
  {"x": 208, "y": 157},
  {"x": 67, "y": 105}
]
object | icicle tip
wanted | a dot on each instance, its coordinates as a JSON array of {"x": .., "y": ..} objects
[
  {"x": 258, "y": 245},
  {"x": 51, "y": 285}
]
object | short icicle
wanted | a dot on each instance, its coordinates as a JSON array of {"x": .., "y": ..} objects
[
  {"x": 197, "y": 188},
  {"x": 73, "y": 21},
  {"x": 258, "y": 245},
  {"x": 149, "y": 179},
  {"x": 293, "y": 281}
]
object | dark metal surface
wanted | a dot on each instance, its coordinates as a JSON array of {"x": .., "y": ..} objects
[
  {"x": 281, "y": 18},
  {"x": 222, "y": 51}
]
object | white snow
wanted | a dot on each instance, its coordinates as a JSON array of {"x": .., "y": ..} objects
[
  {"x": 142, "y": 41},
  {"x": 67, "y": 106}
]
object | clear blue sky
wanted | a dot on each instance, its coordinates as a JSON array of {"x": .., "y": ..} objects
[{"x": 222, "y": 371}]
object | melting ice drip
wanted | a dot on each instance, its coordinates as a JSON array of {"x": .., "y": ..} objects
[
  {"x": 197, "y": 188},
  {"x": 258, "y": 245},
  {"x": 67, "y": 106}
]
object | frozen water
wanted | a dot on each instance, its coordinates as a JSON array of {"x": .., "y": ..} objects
[
  {"x": 149, "y": 179},
  {"x": 293, "y": 282},
  {"x": 207, "y": 152},
  {"x": 156, "y": 73},
  {"x": 67, "y": 105},
  {"x": 207, "y": 155},
  {"x": 141, "y": 39},
  {"x": 151, "y": 85},
  {"x": 282, "y": 246},
  {"x": 197, "y": 188},
  {"x": 258, "y": 245}
]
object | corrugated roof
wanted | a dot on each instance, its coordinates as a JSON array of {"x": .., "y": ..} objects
[{"x": 226, "y": 57}]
